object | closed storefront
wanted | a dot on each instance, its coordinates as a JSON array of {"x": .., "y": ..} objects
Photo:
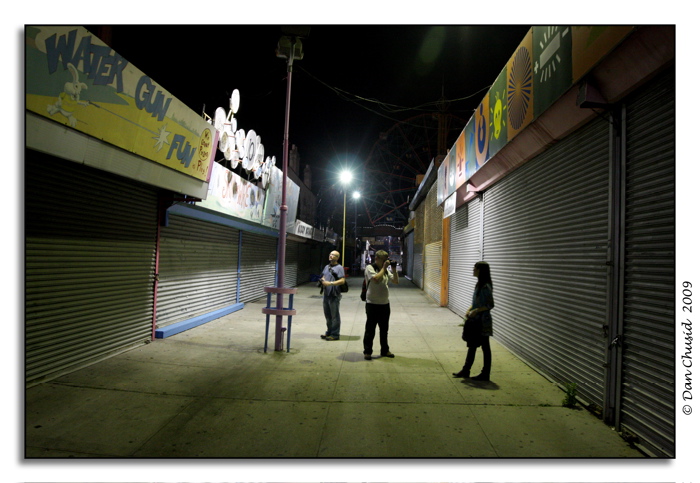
[
  {"x": 647, "y": 338},
  {"x": 291, "y": 265},
  {"x": 546, "y": 239},
  {"x": 258, "y": 265},
  {"x": 465, "y": 251},
  {"x": 89, "y": 267},
  {"x": 432, "y": 254},
  {"x": 409, "y": 255},
  {"x": 198, "y": 268},
  {"x": 305, "y": 264},
  {"x": 418, "y": 243}
]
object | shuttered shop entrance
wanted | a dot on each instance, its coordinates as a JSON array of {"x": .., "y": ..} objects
[
  {"x": 465, "y": 251},
  {"x": 409, "y": 256},
  {"x": 258, "y": 265},
  {"x": 418, "y": 240},
  {"x": 89, "y": 268},
  {"x": 546, "y": 238},
  {"x": 649, "y": 244},
  {"x": 291, "y": 265},
  {"x": 432, "y": 253},
  {"x": 198, "y": 268}
]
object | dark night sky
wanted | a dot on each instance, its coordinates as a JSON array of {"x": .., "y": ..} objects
[{"x": 402, "y": 65}]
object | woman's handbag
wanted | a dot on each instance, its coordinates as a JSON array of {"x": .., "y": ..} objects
[{"x": 472, "y": 329}]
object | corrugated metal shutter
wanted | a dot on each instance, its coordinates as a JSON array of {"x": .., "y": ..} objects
[
  {"x": 291, "y": 264},
  {"x": 648, "y": 315},
  {"x": 258, "y": 265},
  {"x": 409, "y": 256},
  {"x": 432, "y": 253},
  {"x": 433, "y": 270},
  {"x": 546, "y": 236},
  {"x": 90, "y": 261},
  {"x": 465, "y": 251},
  {"x": 418, "y": 243},
  {"x": 198, "y": 268},
  {"x": 305, "y": 263}
]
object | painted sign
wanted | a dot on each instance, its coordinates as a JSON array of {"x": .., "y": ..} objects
[
  {"x": 230, "y": 194},
  {"x": 551, "y": 48},
  {"x": 470, "y": 148},
  {"x": 482, "y": 132},
  {"x": 303, "y": 229},
  {"x": 441, "y": 183},
  {"x": 498, "y": 113},
  {"x": 451, "y": 171},
  {"x": 520, "y": 91},
  {"x": 273, "y": 201},
  {"x": 73, "y": 78},
  {"x": 460, "y": 160},
  {"x": 450, "y": 205},
  {"x": 546, "y": 64}
]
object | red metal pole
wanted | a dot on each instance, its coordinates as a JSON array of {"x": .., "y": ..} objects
[{"x": 282, "y": 242}]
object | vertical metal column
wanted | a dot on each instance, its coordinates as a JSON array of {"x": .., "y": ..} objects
[{"x": 613, "y": 329}]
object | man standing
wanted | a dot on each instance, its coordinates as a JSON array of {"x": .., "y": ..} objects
[
  {"x": 332, "y": 278},
  {"x": 377, "y": 307}
]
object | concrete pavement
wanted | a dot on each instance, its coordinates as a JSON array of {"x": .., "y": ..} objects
[{"x": 212, "y": 392}]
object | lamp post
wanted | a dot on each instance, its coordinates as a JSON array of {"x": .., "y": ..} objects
[
  {"x": 356, "y": 197},
  {"x": 345, "y": 178},
  {"x": 289, "y": 48}
]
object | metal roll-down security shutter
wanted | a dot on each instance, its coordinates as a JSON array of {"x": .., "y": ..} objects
[
  {"x": 647, "y": 408},
  {"x": 418, "y": 240},
  {"x": 546, "y": 238},
  {"x": 90, "y": 261},
  {"x": 409, "y": 255},
  {"x": 305, "y": 264},
  {"x": 198, "y": 268},
  {"x": 258, "y": 265},
  {"x": 465, "y": 251},
  {"x": 291, "y": 266},
  {"x": 432, "y": 254}
]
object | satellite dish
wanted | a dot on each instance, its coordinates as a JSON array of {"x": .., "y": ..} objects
[
  {"x": 234, "y": 125},
  {"x": 223, "y": 142},
  {"x": 219, "y": 118},
  {"x": 228, "y": 154},
  {"x": 259, "y": 154},
  {"x": 249, "y": 150},
  {"x": 235, "y": 101}
]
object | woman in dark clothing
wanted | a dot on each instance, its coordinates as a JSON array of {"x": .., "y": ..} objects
[{"x": 478, "y": 325}]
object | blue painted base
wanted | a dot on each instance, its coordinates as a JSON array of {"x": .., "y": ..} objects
[{"x": 195, "y": 321}]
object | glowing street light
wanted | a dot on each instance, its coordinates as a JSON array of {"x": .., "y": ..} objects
[{"x": 345, "y": 178}]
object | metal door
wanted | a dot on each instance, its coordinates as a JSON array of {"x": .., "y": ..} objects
[
  {"x": 198, "y": 268},
  {"x": 89, "y": 267},
  {"x": 258, "y": 265},
  {"x": 465, "y": 251},
  {"x": 647, "y": 342},
  {"x": 546, "y": 238}
]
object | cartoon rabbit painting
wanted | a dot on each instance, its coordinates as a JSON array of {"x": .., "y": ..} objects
[{"x": 69, "y": 99}]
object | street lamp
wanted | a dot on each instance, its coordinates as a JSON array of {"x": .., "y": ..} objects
[
  {"x": 345, "y": 178},
  {"x": 289, "y": 48},
  {"x": 356, "y": 197}
]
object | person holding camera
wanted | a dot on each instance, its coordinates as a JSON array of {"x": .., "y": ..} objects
[
  {"x": 377, "y": 308},
  {"x": 332, "y": 278}
]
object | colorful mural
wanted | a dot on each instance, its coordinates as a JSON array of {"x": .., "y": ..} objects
[{"x": 546, "y": 64}]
